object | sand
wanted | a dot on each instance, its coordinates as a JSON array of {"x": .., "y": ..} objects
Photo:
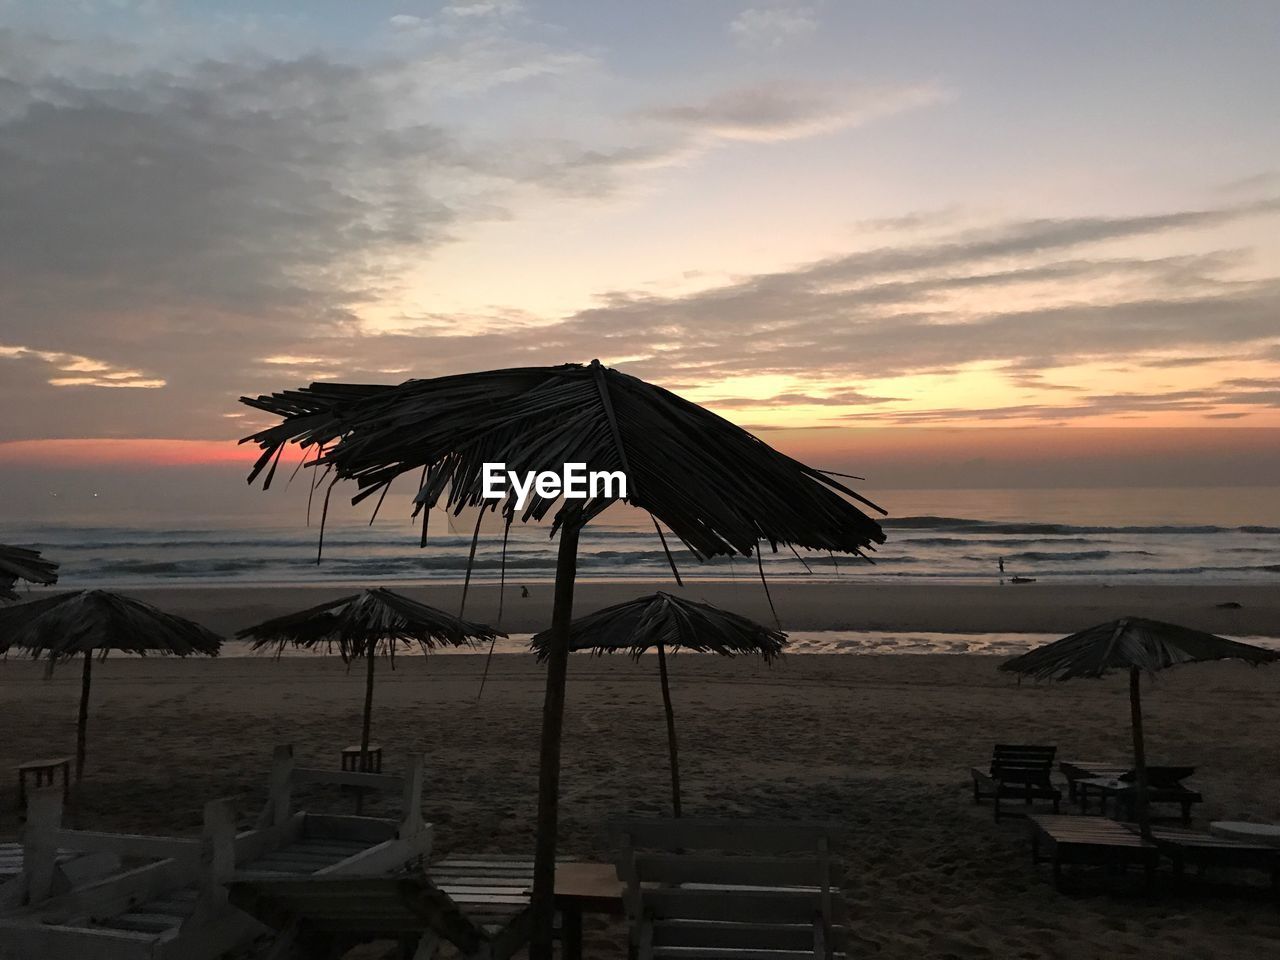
[
  {"x": 801, "y": 605},
  {"x": 878, "y": 746}
]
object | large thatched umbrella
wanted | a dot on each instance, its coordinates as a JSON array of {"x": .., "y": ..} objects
[
  {"x": 90, "y": 622},
  {"x": 1140, "y": 646},
  {"x": 364, "y": 624},
  {"x": 664, "y": 622},
  {"x": 718, "y": 488},
  {"x": 19, "y": 563}
]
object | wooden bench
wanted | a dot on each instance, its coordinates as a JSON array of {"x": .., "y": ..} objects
[
  {"x": 44, "y": 772},
  {"x": 730, "y": 888},
  {"x": 1089, "y": 841},
  {"x": 1018, "y": 772}
]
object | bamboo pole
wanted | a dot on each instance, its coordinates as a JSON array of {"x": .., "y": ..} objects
[
  {"x": 544, "y": 868},
  {"x": 1139, "y": 753},
  {"x": 671, "y": 730},
  {"x": 369, "y": 653},
  {"x": 368, "y": 702},
  {"x": 82, "y": 724}
]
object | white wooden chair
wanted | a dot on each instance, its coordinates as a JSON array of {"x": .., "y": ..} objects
[{"x": 744, "y": 889}]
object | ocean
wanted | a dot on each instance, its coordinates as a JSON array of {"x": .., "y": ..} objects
[{"x": 1155, "y": 535}]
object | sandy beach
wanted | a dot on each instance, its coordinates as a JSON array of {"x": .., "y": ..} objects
[
  {"x": 801, "y": 605},
  {"x": 878, "y": 746}
]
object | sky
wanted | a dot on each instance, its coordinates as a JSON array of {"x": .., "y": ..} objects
[{"x": 996, "y": 239}]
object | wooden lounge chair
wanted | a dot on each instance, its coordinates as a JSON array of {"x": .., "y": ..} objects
[
  {"x": 1076, "y": 770},
  {"x": 174, "y": 906},
  {"x": 1164, "y": 785},
  {"x": 325, "y": 916},
  {"x": 1202, "y": 850},
  {"x": 730, "y": 888},
  {"x": 1089, "y": 840},
  {"x": 1018, "y": 772}
]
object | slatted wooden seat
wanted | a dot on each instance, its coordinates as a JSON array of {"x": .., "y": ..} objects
[
  {"x": 1193, "y": 848},
  {"x": 1088, "y": 841},
  {"x": 730, "y": 888},
  {"x": 324, "y": 916},
  {"x": 1018, "y": 772}
]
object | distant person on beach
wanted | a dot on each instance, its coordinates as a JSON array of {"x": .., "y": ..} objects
[
  {"x": 524, "y": 591},
  {"x": 1000, "y": 562}
]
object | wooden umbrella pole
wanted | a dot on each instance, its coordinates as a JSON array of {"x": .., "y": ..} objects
[
  {"x": 82, "y": 725},
  {"x": 544, "y": 868},
  {"x": 671, "y": 730},
  {"x": 368, "y": 703},
  {"x": 368, "y": 718},
  {"x": 1139, "y": 752}
]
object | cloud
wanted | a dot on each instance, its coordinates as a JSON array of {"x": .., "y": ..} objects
[
  {"x": 771, "y": 27},
  {"x": 779, "y": 112},
  {"x": 73, "y": 370}
]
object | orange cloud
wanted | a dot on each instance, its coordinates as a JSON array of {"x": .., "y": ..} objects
[{"x": 141, "y": 453}]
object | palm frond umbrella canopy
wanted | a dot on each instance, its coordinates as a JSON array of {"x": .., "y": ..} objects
[
  {"x": 1139, "y": 646},
  {"x": 19, "y": 563},
  {"x": 663, "y": 622},
  {"x": 719, "y": 489},
  {"x": 95, "y": 622},
  {"x": 364, "y": 624}
]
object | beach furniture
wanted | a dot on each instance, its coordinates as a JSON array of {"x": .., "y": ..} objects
[
  {"x": 1077, "y": 770},
  {"x": 326, "y": 916},
  {"x": 1094, "y": 841},
  {"x": 44, "y": 772},
  {"x": 1164, "y": 785},
  {"x": 174, "y": 905},
  {"x": 367, "y": 759},
  {"x": 1017, "y": 772},
  {"x": 728, "y": 888},
  {"x": 1201, "y": 850},
  {"x": 1139, "y": 646},
  {"x": 1261, "y": 833},
  {"x": 493, "y": 889}
]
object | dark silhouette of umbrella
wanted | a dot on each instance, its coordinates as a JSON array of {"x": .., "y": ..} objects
[
  {"x": 1140, "y": 646},
  {"x": 89, "y": 622},
  {"x": 720, "y": 490},
  {"x": 361, "y": 624},
  {"x": 19, "y": 563},
  {"x": 664, "y": 622}
]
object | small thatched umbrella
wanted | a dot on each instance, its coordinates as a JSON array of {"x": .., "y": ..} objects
[
  {"x": 359, "y": 624},
  {"x": 1138, "y": 645},
  {"x": 719, "y": 489},
  {"x": 90, "y": 622},
  {"x": 19, "y": 563},
  {"x": 664, "y": 622}
]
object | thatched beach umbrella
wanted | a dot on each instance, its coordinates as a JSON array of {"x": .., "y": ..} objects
[
  {"x": 664, "y": 622},
  {"x": 364, "y": 624},
  {"x": 721, "y": 490},
  {"x": 90, "y": 622},
  {"x": 19, "y": 563},
  {"x": 1140, "y": 646}
]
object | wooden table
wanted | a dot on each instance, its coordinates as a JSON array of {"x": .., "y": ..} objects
[
  {"x": 1075, "y": 770},
  {"x": 44, "y": 771},
  {"x": 353, "y": 756},
  {"x": 585, "y": 888}
]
